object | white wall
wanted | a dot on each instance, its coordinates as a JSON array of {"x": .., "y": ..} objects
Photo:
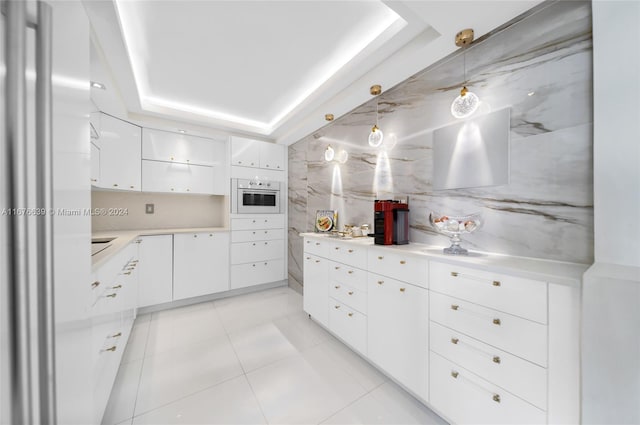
[{"x": 611, "y": 295}]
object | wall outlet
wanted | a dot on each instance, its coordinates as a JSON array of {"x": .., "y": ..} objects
[{"x": 149, "y": 208}]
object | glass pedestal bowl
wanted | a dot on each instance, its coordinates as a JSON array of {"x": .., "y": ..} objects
[{"x": 454, "y": 226}]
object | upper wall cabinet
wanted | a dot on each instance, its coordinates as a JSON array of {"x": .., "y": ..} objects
[
  {"x": 172, "y": 147},
  {"x": 118, "y": 143},
  {"x": 257, "y": 154}
]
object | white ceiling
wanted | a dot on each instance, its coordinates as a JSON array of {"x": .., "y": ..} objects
[{"x": 265, "y": 68}]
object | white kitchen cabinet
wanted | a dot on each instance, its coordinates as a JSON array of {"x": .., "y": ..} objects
[
  {"x": 160, "y": 145},
  {"x": 200, "y": 264},
  {"x": 398, "y": 330},
  {"x": 257, "y": 154},
  {"x": 178, "y": 178},
  {"x": 120, "y": 154},
  {"x": 95, "y": 165},
  {"x": 348, "y": 324},
  {"x": 256, "y": 273},
  {"x": 316, "y": 288},
  {"x": 247, "y": 252},
  {"x": 155, "y": 270}
]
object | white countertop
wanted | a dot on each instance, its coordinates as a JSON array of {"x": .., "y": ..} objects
[
  {"x": 124, "y": 237},
  {"x": 532, "y": 268}
]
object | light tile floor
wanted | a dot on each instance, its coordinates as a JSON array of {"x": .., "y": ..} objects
[{"x": 250, "y": 359}]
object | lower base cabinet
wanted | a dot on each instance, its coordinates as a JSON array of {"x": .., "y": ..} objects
[
  {"x": 200, "y": 264},
  {"x": 316, "y": 288},
  {"x": 156, "y": 270},
  {"x": 256, "y": 273}
]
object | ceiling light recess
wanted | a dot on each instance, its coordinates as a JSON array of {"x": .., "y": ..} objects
[{"x": 376, "y": 136}]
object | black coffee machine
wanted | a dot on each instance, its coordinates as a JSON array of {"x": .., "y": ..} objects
[{"x": 391, "y": 222}]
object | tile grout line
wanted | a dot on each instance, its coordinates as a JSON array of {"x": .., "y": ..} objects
[
  {"x": 144, "y": 358},
  {"x": 352, "y": 403}
]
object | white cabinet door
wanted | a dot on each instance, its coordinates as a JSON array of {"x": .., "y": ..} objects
[
  {"x": 250, "y": 274},
  {"x": 155, "y": 270},
  {"x": 200, "y": 264},
  {"x": 398, "y": 333},
  {"x": 271, "y": 156},
  {"x": 160, "y": 145},
  {"x": 176, "y": 178},
  {"x": 316, "y": 288},
  {"x": 119, "y": 144},
  {"x": 95, "y": 165},
  {"x": 245, "y": 152}
]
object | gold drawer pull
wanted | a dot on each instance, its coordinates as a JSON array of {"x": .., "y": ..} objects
[
  {"x": 496, "y": 359},
  {"x": 317, "y": 243},
  {"x": 454, "y": 274},
  {"x": 351, "y": 250},
  {"x": 403, "y": 289},
  {"x": 403, "y": 262},
  {"x": 454, "y": 306},
  {"x": 350, "y": 292},
  {"x": 380, "y": 258},
  {"x": 317, "y": 261},
  {"x": 496, "y": 398},
  {"x": 350, "y": 314},
  {"x": 380, "y": 282},
  {"x": 337, "y": 267},
  {"x": 308, "y": 258},
  {"x": 496, "y": 322},
  {"x": 112, "y": 349},
  {"x": 454, "y": 374},
  {"x": 116, "y": 287},
  {"x": 496, "y": 283},
  {"x": 454, "y": 340},
  {"x": 337, "y": 286},
  {"x": 112, "y": 295},
  {"x": 337, "y": 248},
  {"x": 118, "y": 335},
  {"x": 127, "y": 273},
  {"x": 95, "y": 284},
  {"x": 337, "y": 307},
  {"x": 350, "y": 272}
]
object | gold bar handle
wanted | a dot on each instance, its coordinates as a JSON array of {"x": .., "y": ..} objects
[
  {"x": 116, "y": 287},
  {"x": 337, "y": 286},
  {"x": 403, "y": 262},
  {"x": 350, "y": 314},
  {"x": 95, "y": 284},
  {"x": 337, "y": 307},
  {"x": 454, "y": 274},
  {"x": 112, "y": 295},
  {"x": 454, "y": 340},
  {"x": 380, "y": 282},
  {"x": 496, "y": 322},
  {"x": 112, "y": 349},
  {"x": 127, "y": 273},
  {"x": 308, "y": 258},
  {"x": 496, "y": 283},
  {"x": 380, "y": 258},
  {"x": 454, "y": 306},
  {"x": 337, "y": 248},
  {"x": 454, "y": 374},
  {"x": 337, "y": 267},
  {"x": 496, "y": 398},
  {"x": 350, "y": 292},
  {"x": 350, "y": 272},
  {"x": 116, "y": 335},
  {"x": 351, "y": 250},
  {"x": 496, "y": 359},
  {"x": 317, "y": 261},
  {"x": 403, "y": 289}
]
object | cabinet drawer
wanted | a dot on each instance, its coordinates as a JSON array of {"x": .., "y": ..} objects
[
  {"x": 319, "y": 247},
  {"x": 513, "y": 334},
  {"x": 465, "y": 398},
  {"x": 518, "y": 296},
  {"x": 274, "y": 221},
  {"x": 257, "y": 235},
  {"x": 246, "y": 252},
  {"x": 348, "y": 253},
  {"x": 347, "y": 275},
  {"x": 249, "y": 274},
  {"x": 401, "y": 266},
  {"x": 348, "y": 324},
  {"x": 352, "y": 297},
  {"x": 522, "y": 378}
]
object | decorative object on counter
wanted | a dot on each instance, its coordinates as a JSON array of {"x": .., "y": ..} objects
[
  {"x": 454, "y": 226},
  {"x": 365, "y": 229},
  {"x": 391, "y": 222},
  {"x": 329, "y": 154},
  {"x": 467, "y": 102},
  {"x": 326, "y": 220},
  {"x": 376, "y": 135}
]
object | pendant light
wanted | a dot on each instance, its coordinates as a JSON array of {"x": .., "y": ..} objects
[
  {"x": 376, "y": 135},
  {"x": 467, "y": 102}
]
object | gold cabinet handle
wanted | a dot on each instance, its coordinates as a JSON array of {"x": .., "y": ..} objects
[
  {"x": 115, "y": 185},
  {"x": 403, "y": 262},
  {"x": 380, "y": 257},
  {"x": 116, "y": 287},
  {"x": 496, "y": 398},
  {"x": 317, "y": 243},
  {"x": 337, "y": 248},
  {"x": 266, "y": 243},
  {"x": 350, "y": 314},
  {"x": 496, "y": 283},
  {"x": 308, "y": 258},
  {"x": 454, "y": 374},
  {"x": 337, "y": 267},
  {"x": 337, "y": 286},
  {"x": 172, "y": 189},
  {"x": 403, "y": 289},
  {"x": 350, "y": 292},
  {"x": 254, "y": 244},
  {"x": 94, "y": 180},
  {"x": 171, "y": 158},
  {"x": 337, "y": 307},
  {"x": 496, "y": 359},
  {"x": 496, "y": 322},
  {"x": 317, "y": 261},
  {"x": 130, "y": 268},
  {"x": 116, "y": 335},
  {"x": 127, "y": 273},
  {"x": 95, "y": 284},
  {"x": 351, "y": 250},
  {"x": 195, "y": 236},
  {"x": 112, "y": 349},
  {"x": 307, "y": 241},
  {"x": 350, "y": 272},
  {"x": 454, "y": 274},
  {"x": 380, "y": 282},
  {"x": 130, "y": 187},
  {"x": 454, "y": 306},
  {"x": 112, "y": 295},
  {"x": 454, "y": 340}
]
